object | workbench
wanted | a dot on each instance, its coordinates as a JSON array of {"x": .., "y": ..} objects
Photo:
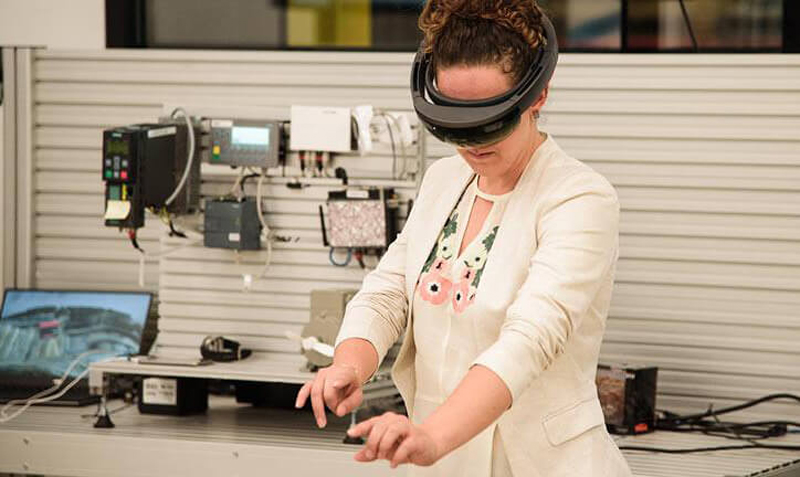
[{"x": 234, "y": 439}]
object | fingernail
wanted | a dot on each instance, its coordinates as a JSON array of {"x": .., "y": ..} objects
[
  {"x": 370, "y": 455},
  {"x": 350, "y": 431}
]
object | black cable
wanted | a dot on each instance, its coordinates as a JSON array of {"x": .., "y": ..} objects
[
  {"x": 174, "y": 232},
  {"x": 341, "y": 173},
  {"x": 244, "y": 179},
  {"x": 689, "y": 25},
  {"x": 738, "y": 407},
  {"x": 113, "y": 411},
  {"x": 708, "y": 449},
  {"x": 134, "y": 242},
  {"x": 749, "y": 432}
]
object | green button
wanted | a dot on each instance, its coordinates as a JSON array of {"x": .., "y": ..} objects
[{"x": 108, "y": 174}]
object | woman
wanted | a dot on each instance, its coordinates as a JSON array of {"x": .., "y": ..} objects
[{"x": 501, "y": 280}]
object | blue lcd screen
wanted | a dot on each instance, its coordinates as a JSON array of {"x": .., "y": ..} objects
[
  {"x": 42, "y": 332},
  {"x": 250, "y": 136}
]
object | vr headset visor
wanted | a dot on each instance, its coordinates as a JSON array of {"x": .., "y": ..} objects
[{"x": 469, "y": 123}]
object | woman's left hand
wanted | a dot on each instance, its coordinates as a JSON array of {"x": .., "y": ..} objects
[{"x": 393, "y": 437}]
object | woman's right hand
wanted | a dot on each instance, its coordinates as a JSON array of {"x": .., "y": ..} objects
[{"x": 337, "y": 386}]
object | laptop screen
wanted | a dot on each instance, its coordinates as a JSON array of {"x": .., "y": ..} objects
[{"x": 42, "y": 332}]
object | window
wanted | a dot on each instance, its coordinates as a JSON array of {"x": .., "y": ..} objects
[
  {"x": 391, "y": 25},
  {"x": 705, "y": 25}
]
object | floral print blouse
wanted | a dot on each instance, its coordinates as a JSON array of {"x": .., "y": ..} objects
[
  {"x": 444, "y": 330},
  {"x": 443, "y": 326},
  {"x": 451, "y": 280}
]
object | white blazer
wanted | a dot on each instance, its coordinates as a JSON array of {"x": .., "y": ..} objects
[{"x": 544, "y": 295}]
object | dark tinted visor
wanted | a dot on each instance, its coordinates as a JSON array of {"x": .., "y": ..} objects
[{"x": 477, "y": 136}]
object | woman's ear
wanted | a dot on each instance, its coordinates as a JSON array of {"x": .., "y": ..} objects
[{"x": 536, "y": 107}]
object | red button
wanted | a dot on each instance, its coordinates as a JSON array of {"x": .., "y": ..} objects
[{"x": 123, "y": 175}]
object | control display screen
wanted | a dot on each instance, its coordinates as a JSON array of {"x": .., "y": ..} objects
[
  {"x": 250, "y": 136},
  {"x": 117, "y": 147}
]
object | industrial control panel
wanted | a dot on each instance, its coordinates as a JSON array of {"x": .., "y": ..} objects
[
  {"x": 246, "y": 142},
  {"x": 142, "y": 163},
  {"x": 129, "y": 154}
]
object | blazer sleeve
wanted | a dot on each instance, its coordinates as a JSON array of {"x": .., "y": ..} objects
[
  {"x": 578, "y": 236},
  {"x": 378, "y": 312}
]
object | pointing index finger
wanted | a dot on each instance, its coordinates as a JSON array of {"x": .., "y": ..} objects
[{"x": 362, "y": 428}]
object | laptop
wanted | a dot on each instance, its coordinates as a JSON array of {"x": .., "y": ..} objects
[{"x": 43, "y": 331}]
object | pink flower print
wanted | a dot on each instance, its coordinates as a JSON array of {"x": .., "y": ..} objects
[
  {"x": 463, "y": 296},
  {"x": 435, "y": 288}
]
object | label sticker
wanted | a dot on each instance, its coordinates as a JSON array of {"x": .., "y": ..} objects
[
  {"x": 357, "y": 194},
  {"x": 234, "y": 237},
  {"x": 117, "y": 210},
  {"x": 221, "y": 123},
  {"x": 162, "y": 132},
  {"x": 160, "y": 391}
]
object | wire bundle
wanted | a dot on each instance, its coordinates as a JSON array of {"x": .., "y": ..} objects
[
  {"x": 48, "y": 394},
  {"x": 753, "y": 434}
]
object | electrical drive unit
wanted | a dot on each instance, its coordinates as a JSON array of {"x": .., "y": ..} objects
[
  {"x": 142, "y": 165},
  {"x": 232, "y": 224},
  {"x": 173, "y": 396},
  {"x": 360, "y": 218},
  {"x": 188, "y": 200},
  {"x": 327, "y": 313},
  {"x": 628, "y": 397},
  {"x": 243, "y": 143}
]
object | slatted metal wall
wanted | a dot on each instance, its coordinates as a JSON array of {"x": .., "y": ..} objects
[{"x": 704, "y": 152}]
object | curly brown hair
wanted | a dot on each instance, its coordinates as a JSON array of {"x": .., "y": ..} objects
[{"x": 505, "y": 33}]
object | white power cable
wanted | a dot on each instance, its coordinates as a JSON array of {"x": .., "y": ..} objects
[
  {"x": 403, "y": 155},
  {"x": 190, "y": 158},
  {"x": 392, "y": 121},
  {"x": 39, "y": 398},
  {"x": 266, "y": 234},
  {"x": 144, "y": 255}
]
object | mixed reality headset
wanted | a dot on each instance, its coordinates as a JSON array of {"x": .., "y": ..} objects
[{"x": 469, "y": 123}]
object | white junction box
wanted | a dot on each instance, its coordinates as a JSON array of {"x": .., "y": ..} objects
[{"x": 325, "y": 129}]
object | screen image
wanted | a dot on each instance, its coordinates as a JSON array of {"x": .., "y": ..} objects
[
  {"x": 117, "y": 146},
  {"x": 250, "y": 136},
  {"x": 42, "y": 332}
]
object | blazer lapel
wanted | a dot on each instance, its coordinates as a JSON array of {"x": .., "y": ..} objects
[
  {"x": 419, "y": 247},
  {"x": 518, "y": 223},
  {"x": 434, "y": 220}
]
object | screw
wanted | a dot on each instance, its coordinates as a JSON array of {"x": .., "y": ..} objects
[
  {"x": 26, "y": 440},
  {"x": 26, "y": 466},
  {"x": 235, "y": 454}
]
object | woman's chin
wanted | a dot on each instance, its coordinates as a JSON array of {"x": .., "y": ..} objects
[{"x": 482, "y": 166}]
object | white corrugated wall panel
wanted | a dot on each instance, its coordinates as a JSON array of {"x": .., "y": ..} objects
[{"x": 703, "y": 149}]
